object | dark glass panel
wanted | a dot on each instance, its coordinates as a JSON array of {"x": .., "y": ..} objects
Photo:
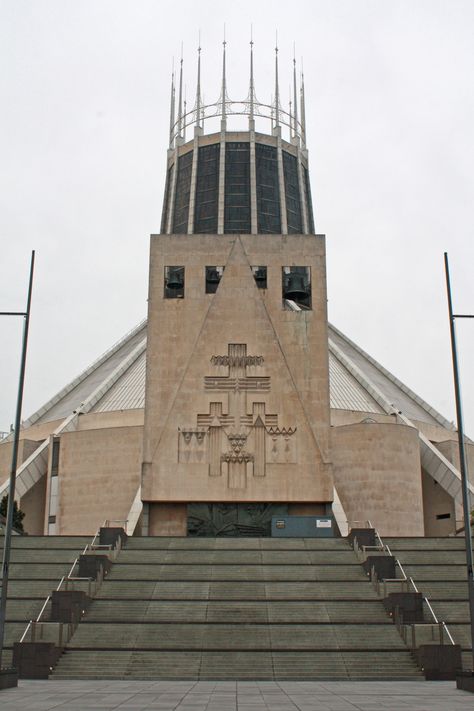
[
  {"x": 207, "y": 189},
  {"x": 309, "y": 202},
  {"x": 183, "y": 189},
  {"x": 292, "y": 194},
  {"x": 55, "y": 456},
  {"x": 237, "y": 188},
  {"x": 164, "y": 216},
  {"x": 268, "y": 191}
]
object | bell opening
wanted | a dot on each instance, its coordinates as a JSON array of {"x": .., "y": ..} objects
[
  {"x": 296, "y": 287},
  {"x": 174, "y": 282}
]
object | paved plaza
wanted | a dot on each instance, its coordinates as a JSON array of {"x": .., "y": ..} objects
[{"x": 235, "y": 696}]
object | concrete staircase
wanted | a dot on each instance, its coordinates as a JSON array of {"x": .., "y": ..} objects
[
  {"x": 37, "y": 565},
  {"x": 438, "y": 566},
  {"x": 236, "y": 608}
]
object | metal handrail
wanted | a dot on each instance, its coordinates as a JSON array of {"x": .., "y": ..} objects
[
  {"x": 69, "y": 577},
  {"x": 407, "y": 580}
]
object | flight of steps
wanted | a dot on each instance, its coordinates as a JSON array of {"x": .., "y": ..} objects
[
  {"x": 236, "y": 608},
  {"x": 438, "y": 567},
  {"x": 37, "y": 564}
]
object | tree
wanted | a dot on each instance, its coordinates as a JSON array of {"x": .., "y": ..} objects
[{"x": 18, "y": 514}]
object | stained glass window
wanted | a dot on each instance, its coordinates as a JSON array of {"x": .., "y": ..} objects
[
  {"x": 237, "y": 188},
  {"x": 207, "y": 189},
  {"x": 268, "y": 191},
  {"x": 183, "y": 189}
]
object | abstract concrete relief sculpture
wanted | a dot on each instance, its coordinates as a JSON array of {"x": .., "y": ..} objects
[{"x": 237, "y": 437}]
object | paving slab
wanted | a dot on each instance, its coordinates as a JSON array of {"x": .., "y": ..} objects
[{"x": 100, "y": 695}]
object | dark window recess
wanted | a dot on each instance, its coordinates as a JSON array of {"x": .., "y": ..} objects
[
  {"x": 174, "y": 283},
  {"x": 207, "y": 189},
  {"x": 296, "y": 286},
  {"x": 164, "y": 216},
  {"x": 55, "y": 458},
  {"x": 309, "y": 202},
  {"x": 51, "y": 519},
  {"x": 213, "y": 277},
  {"x": 441, "y": 516},
  {"x": 260, "y": 276},
  {"x": 237, "y": 188},
  {"x": 292, "y": 194},
  {"x": 183, "y": 189},
  {"x": 268, "y": 190}
]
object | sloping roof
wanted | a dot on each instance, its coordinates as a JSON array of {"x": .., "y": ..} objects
[{"x": 346, "y": 391}]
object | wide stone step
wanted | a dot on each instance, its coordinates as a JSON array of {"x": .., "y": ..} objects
[
  {"x": 49, "y": 542},
  {"x": 435, "y": 572},
  {"x": 452, "y": 611},
  {"x": 238, "y": 557},
  {"x": 224, "y": 543},
  {"x": 429, "y": 557},
  {"x": 244, "y": 590},
  {"x": 237, "y": 572},
  {"x": 237, "y": 611},
  {"x": 26, "y": 609},
  {"x": 236, "y": 636},
  {"x": 445, "y": 590},
  {"x": 38, "y": 571},
  {"x": 461, "y": 634},
  {"x": 238, "y": 665},
  {"x": 64, "y": 556},
  {"x": 436, "y": 544},
  {"x": 38, "y": 588},
  {"x": 14, "y": 632}
]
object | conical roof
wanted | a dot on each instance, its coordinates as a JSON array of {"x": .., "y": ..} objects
[{"x": 357, "y": 383}]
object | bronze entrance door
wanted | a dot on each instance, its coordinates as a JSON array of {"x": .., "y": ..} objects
[{"x": 233, "y": 519}]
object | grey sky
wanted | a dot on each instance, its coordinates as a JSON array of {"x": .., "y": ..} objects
[{"x": 84, "y": 89}]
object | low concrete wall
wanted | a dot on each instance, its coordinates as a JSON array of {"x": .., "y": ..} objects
[
  {"x": 99, "y": 474},
  {"x": 377, "y": 475}
]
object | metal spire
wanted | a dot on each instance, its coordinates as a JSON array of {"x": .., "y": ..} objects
[
  {"x": 224, "y": 86},
  {"x": 172, "y": 101},
  {"x": 290, "y": 113},
  {"x": 295, "y": 99},
  {"x": 180, "y": 99},
  {"x": 184, "y": 117},
  {"x": 198, "y": 88},
  {"x": 277, "y": 90},
  {"x": 252, "y": 85},
  {"x": 303, "y": 112}
]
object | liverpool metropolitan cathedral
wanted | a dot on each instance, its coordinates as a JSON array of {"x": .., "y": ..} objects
[{"x": 236, "y": 407}]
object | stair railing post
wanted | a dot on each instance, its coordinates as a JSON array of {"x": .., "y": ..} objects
[
  {"x": 14, "y": 460},
  {"x": 462, "y": 452}
]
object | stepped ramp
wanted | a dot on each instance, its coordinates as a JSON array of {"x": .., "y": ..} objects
[
  {"x": 37, "y": 564},
  {"x": 236, "y": 608},
  {"x": 438, "y": 567}
]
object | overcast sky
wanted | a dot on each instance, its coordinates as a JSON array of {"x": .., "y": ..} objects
[{"x": 84, "y": 90}]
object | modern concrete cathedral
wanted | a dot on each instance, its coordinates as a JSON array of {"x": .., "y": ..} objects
[{"x": 236, "y": 401}]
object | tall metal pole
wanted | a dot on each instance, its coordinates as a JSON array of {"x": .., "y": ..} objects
[
  {"x": 11, "y": 491},
  {"x": 462, "y": 451}
]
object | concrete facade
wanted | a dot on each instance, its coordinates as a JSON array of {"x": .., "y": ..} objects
[
  {"x": 377, "y": 474},
  {"x": 237, "y": 398},
  {"x": 99, "y": 473}
]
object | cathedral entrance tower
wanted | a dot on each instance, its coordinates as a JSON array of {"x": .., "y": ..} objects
[{"x": 237, "y": 387}]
